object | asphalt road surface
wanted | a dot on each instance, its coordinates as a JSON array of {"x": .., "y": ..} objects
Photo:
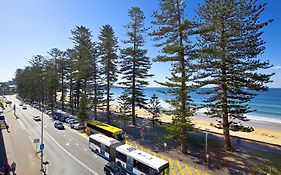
[{"x": 66, "y": 150}]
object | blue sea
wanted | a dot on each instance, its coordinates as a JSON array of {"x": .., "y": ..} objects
[{"x": 267, "y": 104}]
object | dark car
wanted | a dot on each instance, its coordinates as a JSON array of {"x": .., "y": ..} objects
[
  {"x": 113, "y": 168},
  {"x": 2, "y": 117},
  {"x": 57, "y": 116},
  {"x": 58, "y": 125},
  {"x": 61, "y": 118}
]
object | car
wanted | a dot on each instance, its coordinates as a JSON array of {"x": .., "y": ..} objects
[
  {"x": 75, "y": 122},
  {"x": 8, "y": 102},
  {"x": 113, "y": 168},
  {"x": 79, "y": 126},
  {"x": 48, "y": 112},
  {"x": 58, "y": 125},
  {"x": 24, "y": 107},
  {"x": 61, "y": 118},
  {"x": 36, "y": 118},
  {"x": 21, "y": 104},
  {"x": 2, "y": 117},
  {"x": 70, "y": 121},
  {"x": 67, "y": 120}
]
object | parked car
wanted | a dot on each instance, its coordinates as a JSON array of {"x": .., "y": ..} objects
[
  {"x": 58, "y": 125},
  {"x": 36, "y": 118},
  {"x": 70, "y": 121},
  {"x": 24, "y": 107},
  {"x": 113, "y": 168},
  {"x": 8, "y": 102},
  {"x": 61, "y": 118},
  {"x": 79, "y": 126},
  {"x": 73, "y": 123},
  {"x": 2, "y": 117},
  {"x": 67, "y": 120}
]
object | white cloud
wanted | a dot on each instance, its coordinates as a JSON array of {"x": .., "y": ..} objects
[{"x": 276, "y": 67}]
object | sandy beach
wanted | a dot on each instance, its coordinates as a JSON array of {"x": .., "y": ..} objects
[{"x": 267, "y": 132}]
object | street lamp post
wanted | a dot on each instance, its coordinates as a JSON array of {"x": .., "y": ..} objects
[
  {"x": 42, "y": 135},
  {"x": 206, "y": 148}
]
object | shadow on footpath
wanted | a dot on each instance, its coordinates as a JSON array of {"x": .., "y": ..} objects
[{"x": 3, "y": 155}]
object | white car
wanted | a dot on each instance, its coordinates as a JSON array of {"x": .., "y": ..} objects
[
  {"x": 36, "y": 118},
  {"x": 78, "y": 126}
]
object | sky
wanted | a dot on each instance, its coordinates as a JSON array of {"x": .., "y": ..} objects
[{"x": 32, "y": 27}]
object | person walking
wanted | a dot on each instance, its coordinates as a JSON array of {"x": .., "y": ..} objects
[
  {"x": 13, "y": 168},
  {"x": 238, "y": 141},
  {"x": 7, "y": 127}
]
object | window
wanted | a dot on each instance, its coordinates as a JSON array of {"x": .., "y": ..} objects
[
  {"x": 106, "y": 148},
  {"x": 142, "y": 167},
  {"x": 95, "y": 142},
  {"x": 120, "y": 136},
  {"x": 121, "y": 156}
]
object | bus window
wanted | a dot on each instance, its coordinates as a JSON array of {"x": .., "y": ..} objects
[
  {"x": 165, "y": 171},
  {"x": 120, "y": 136},
  {"x": 121, "y": 156}
]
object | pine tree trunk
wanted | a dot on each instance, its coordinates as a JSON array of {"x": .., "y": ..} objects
[
  {"x": 183, "y": 141},
  {"x": 227, "y": 143},
  {"x": 71, "y": 96},
  {"x": 62, "y": 92},
  {"x": 183, "y": 85},
  {"x": 107, "y": 98},
  {"x": 95, "y": 100},
  {"x": 85, "y": 86},
  {"x": 133, "y": 97},
  {"x": 134, "y": 85},
  {"x": 77, "y": 95}
]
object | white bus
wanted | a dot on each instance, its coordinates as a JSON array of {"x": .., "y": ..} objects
[
  {"x": 137, "y": 162},
  {"x": 104, "y": 146}
]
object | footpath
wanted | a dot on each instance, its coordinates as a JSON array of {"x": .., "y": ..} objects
[{"x": 16, "y": 146}]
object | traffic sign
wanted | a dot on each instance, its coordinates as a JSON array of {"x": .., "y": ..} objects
[
  {"x": 36, "y": 141},
  {"x": 41, "y": 146}
]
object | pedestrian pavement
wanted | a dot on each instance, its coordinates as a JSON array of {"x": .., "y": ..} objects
[{"x": 16, "y": 146}]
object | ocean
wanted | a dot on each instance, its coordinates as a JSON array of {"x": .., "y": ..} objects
[{"x": 267, "y": 104}]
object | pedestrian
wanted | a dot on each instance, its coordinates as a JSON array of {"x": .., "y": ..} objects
[
  {"x": 238, "y": 141},
  {"x": 13, "y": 167},
  {"x": 7, "y": 127}
]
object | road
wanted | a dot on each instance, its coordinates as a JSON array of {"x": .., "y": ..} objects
[{"x": 66, "y": 150}]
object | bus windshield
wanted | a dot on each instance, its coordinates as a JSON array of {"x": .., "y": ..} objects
[{"x": 120, "y": 136}]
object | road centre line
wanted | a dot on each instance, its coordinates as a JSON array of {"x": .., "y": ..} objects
[{"x": 73, "y": 157}]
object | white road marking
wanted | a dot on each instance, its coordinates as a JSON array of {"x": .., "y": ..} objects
[
  {"x": 64, "y": 135},
  {"x": 85, "y": 149},
  {"x": 73, "y": 157},
  {"x": 69, "y": 139},
  {"x": 77, "y": 144}
]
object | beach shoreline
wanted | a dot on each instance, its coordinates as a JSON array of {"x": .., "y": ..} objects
[{"x": 266, "y": 132}]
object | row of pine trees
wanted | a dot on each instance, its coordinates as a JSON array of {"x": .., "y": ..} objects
[{"x": 218, "y": 49}]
